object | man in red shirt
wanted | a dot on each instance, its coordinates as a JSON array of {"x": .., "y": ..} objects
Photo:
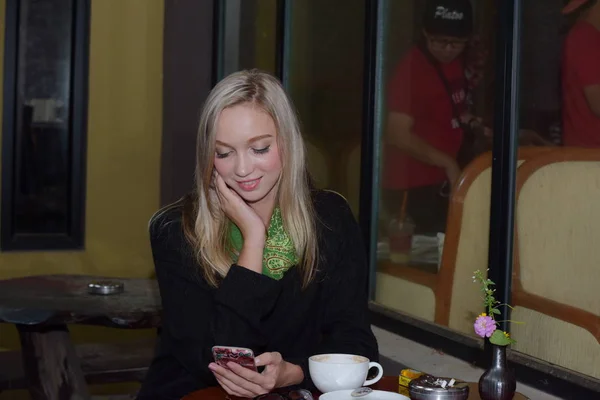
[
  {"x": 581, "y": 76},
  {"x": 428, "y": 111}
]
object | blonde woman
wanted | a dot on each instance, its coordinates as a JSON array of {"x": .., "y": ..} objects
[{"x": 254, "y": 257}]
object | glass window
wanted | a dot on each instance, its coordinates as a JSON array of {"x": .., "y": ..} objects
[
  {"x": 43, "y": 88},
  {"x": 437, "y": 89},
  {"x": 435, "y": 171},
  {"x": 556, "y": 274},
  {"x": 325, "y": 79},
  {"x": 45, "y": 114}
]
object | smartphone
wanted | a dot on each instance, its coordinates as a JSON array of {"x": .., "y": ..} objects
[{"x": 238, "y": 355}]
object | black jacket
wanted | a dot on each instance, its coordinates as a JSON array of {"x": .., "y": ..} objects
[{"x": 255, "y": 311}]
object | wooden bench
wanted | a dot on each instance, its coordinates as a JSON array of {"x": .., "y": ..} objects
[
  {"x": 43, "y": 307},
  {"x": 101, "y": 363}
]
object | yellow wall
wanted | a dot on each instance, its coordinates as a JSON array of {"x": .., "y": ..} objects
[{"x": 123, "y": 155}]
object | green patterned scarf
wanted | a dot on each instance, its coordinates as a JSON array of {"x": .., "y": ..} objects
[{"x": 279, "y": 253}]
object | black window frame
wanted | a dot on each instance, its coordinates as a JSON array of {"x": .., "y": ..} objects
[{"x": 78, "y": 107}]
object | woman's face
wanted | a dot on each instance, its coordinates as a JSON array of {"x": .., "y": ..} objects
[
  {"x": 445, "y": 49},
  {"x": 246, "y": 155}
]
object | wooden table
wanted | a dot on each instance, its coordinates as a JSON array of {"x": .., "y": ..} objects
[
  {"x": 387, "y": 383},
  {"x": 41, "y": 307}
]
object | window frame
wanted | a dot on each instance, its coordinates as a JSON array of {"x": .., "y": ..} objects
[
  {"x": 547, "y": 377},
  {"x": 73, "y": 239}
]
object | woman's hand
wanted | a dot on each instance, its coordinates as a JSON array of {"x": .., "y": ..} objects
[
  {"x": 250, "y": 224},
  {"x": 243, "y": 382}
]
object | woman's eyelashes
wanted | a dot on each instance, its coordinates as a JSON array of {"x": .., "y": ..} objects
[{"x": 263, "y": 150}]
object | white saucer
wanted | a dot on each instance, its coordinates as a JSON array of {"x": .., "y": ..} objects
[{"x": 374, "y": 395}]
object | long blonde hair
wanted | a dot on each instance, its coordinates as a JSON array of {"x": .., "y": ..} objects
[{"x": 205, "y": 224}]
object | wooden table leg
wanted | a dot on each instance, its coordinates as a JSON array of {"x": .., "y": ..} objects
[{"x": 52, "y": 367}]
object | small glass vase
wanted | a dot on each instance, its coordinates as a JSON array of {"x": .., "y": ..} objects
[{"x": 498, "y": 382}]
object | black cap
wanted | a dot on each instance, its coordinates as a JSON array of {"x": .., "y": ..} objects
[{"x": 448, "y": 18}]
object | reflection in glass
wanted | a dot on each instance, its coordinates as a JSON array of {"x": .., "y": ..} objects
[
  {"x": 432, "y": 129},
  {"x": 581, "y": 76},
  {"x": 43, "y": 97},
  {"x": 540, "y": 68},
  {"x": 436, "y": 121},
  {"x": 555, "y": 273}
]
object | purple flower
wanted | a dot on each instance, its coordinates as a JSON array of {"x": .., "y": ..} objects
[{"x": 484, "y": 326}]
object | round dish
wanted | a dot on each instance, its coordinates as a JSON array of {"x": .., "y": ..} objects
[
  {"x": 105, "y": 287},
  {"x": 374, "y": 395}
]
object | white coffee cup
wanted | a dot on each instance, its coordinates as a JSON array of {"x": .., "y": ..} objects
[{"x": 330, "y": 372}]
